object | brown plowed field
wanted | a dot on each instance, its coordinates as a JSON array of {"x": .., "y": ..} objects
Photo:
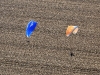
[{"x": 47, "y": 51}]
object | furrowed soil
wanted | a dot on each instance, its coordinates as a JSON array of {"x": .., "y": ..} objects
[{"x": 49, "y": 51}]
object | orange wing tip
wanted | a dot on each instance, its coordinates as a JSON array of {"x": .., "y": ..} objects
[{"x": 67, "y": 35}]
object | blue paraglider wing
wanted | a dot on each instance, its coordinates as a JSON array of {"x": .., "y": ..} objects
[{"x": 30, "y": 28}]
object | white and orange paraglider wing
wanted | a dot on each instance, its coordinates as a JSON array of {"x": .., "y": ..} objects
[{"x": 71, "y": 29}]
